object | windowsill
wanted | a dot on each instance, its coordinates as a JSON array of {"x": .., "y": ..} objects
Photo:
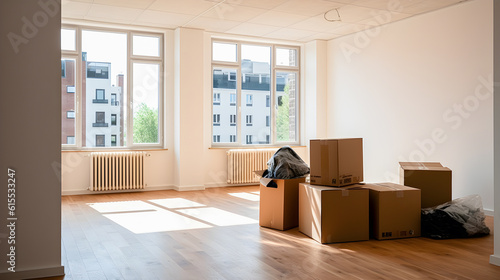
[
  {"x": 250, "y": 146},
  {"x": 100, "y": 101},
  {"x": 109, "y": 149}
]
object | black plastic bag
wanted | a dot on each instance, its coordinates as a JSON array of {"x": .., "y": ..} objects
[
  {"x": 286, "y": 164},
  {"x": 459, "y": 218}
]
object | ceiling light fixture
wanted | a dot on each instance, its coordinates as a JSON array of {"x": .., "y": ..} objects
[{"x": 332, "y": 18}]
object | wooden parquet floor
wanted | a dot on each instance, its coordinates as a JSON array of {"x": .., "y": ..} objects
[{"x": 214, "y": 234}]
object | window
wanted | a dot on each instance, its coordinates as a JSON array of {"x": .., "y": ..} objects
[
  {"x": 100, "y": 118},
  {"x": 70, "y": 140},
  {"x": 100, "y": 96},
  {"x": 263, "y": 79},
  {"x": 70, "y": 114},
  {"x": 232, "y": 99},
  {"x": 216, "y": 98},
  {"x": 63, "y": 68},
  {"x": 217, "y": 119},
  {"x": 216, "y": 138},
  {"x": 116, "y": 64},
  {"x": 249, "y": 120},
  {"x": 232, "y": 120},
  {"x": 100, "y": 140},
  {"x": 249, "y": 100}
]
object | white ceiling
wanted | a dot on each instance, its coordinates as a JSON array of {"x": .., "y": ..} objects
[{"x": 296, "y": 20}]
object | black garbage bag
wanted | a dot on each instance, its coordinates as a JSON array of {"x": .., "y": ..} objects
[
  {"x": 286, "y": 164},
  {"x": 459, "y": 218}
]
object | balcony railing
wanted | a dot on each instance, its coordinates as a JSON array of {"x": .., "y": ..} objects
[
  {"x": 100, "y": 101},
  {"x": 99, "y": 124}
]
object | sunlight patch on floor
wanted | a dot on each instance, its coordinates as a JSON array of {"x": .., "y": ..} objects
[
  {"x": 247, "y": 196},
  {"x": 218, "y": 217},
  {"x": 174, "y": 203},
  {"x": 156, "y": 221},
  {"x": 122, "y": 206}
]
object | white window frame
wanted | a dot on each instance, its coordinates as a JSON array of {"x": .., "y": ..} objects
[
  {"x": 131, "y": 58},
  {"x": 273, "y": 95}
]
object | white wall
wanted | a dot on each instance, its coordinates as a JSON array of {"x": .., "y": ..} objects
[
  {"x": 495, "y": 258},
  {"x": 30, "y": 141},
  {"x": 402, "y": 88}
]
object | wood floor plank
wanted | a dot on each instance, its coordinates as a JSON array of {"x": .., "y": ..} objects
[{"x": 97, "y": 247}]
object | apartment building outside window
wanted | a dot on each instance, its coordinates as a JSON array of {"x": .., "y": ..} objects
[
  {"x": 261, "y": 83},
  {"x": 115, "y": 74}
]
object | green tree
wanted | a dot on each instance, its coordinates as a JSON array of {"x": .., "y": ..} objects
[
  {"x": 145, "y": 125},
  {"x": 283, "y": 118}
]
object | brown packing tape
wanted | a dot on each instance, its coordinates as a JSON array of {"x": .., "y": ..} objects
[
  {"x": 325, "y": 163},
  {"x": 399, "y": 193},
  {"x": 345, "y": 192}
]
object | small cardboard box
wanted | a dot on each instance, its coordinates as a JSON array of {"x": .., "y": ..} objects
[
  {"x": 279, "y": 202},
  {"x": 394, "y": 211},
  {"x": 336, "y": 162},
  {"x": 330, "y": 215},
  {"x": 431, "y": 178}
]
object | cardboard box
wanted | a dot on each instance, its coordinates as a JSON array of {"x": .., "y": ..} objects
[
  {"x": 431, "y": 178},
  {"x": 336, "y": 162},
  {"x": 330, "y": 215},
  {"x": 394, "y": 211},
  {"x": 279, "y": 202}
]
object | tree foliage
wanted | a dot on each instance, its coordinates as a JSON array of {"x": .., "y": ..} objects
[
  {"x": 145, "y": 125},
  {"x": 283, "y": 118}
]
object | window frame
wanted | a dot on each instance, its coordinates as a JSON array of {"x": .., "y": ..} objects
[
  {"x": 274, "y": 69},
  {"x": 128, "y": 96}
]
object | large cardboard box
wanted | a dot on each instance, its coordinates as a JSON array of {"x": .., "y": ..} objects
[
  {"x": 330, "y": 215},
  {"x": 431, "y": 178},
  {"x": 279, "y": 202},
  {"x": 394, "y": 211},
  {"x": 336, "y": 162}
]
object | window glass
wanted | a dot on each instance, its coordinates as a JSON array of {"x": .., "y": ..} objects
[
  {"x": 224, "y": 125},
  {"x": 286, "y": 92},
  {"x": 68, "y": 39},
  {"x": 255, "y": 86},
  {"x": 146, "y": 45},
  {"x": 145, "y": 96},
  {"x": 104, "y": 55},
  {"x": 286, "y": 57},
  {"x": 224, "y": 52},
  {"x": 68, "y": 101}
]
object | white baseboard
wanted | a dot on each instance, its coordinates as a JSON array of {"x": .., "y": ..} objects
[
  {"x": 34, "y": 273},
  {"x": 146, "y": 189},
  {"x": 223, "y": 185},
  {"x": 189, "y": 188},
  {"x": 495, "y": 260},
  {"x": 489, "y": 212}
]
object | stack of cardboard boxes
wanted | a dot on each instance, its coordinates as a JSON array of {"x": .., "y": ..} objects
[{"x": 337, "y": 207}]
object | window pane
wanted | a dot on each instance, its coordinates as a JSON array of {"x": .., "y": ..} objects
[
  {"x": 68, "y": 39},
  {"x": 145, "y": 96},
  {"x": 146, "y": 45},
  {"x": 286, "y": 57},
  {"x": 104, "y": 55},
  {"x": 68, "y": 73},
  {"x": 255, "y": 89},
  {"x": 224, "y": 86},
  {"x": 224, "y": 52},
  {"x": 286, "y": 118}
]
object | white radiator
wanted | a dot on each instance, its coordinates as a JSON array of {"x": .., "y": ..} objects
[
  {"x": 111, "y": 171},
  {"x": 242, "y": 163}
]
